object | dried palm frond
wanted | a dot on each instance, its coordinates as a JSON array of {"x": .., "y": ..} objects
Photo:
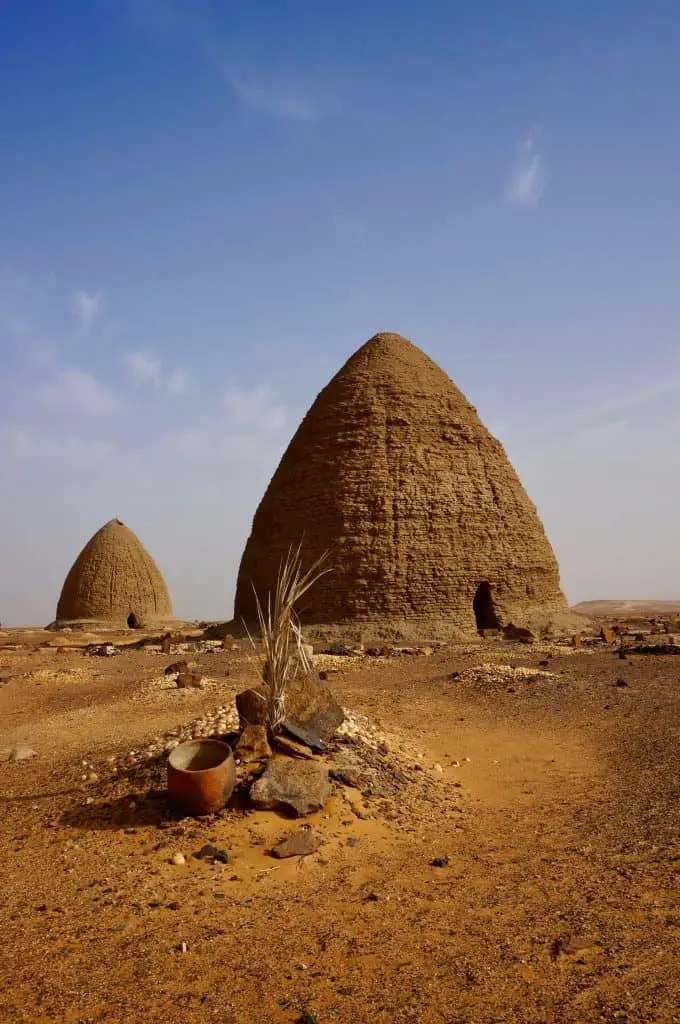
[{"x": 282, "y": 640}]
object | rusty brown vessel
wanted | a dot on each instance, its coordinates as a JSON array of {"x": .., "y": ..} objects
[{"x": 201, "y": 776}]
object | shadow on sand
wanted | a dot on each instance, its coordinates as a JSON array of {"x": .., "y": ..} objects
[{"x": 134, "y": 810}]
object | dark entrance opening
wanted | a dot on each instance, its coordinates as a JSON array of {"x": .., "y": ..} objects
[
  {"x": 485, "y": 613},
  {"x": 132, "y": 621}
]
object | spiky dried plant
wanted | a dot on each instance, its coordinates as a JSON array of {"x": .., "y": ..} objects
[{"x": 283, "y": 645}]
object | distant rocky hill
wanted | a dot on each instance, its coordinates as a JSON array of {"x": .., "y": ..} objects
[{"x": 626, "y": 609}]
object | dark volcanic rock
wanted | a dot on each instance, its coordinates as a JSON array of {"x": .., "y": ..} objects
[{"x": 297, "y": 732}]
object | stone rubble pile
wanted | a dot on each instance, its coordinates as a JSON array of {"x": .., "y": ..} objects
[
  {"x": 362, "y": 729},
  {"x": 488, "y": 673}
]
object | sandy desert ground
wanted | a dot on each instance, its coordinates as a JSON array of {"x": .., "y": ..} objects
[{"x": 550, "y": 802}]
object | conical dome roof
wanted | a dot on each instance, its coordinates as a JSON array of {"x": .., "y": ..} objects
[
  {"x": 114, "y": 580},
  {"x": 431, "y": 531}
]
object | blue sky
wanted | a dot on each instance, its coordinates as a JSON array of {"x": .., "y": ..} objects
[{"x": 206, "y": 207}]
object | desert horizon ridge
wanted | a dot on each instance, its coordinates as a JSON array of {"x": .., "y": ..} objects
[{"x": 589, "y": 608}]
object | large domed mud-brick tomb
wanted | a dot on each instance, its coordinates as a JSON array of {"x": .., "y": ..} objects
[
  {"x": 115, "y": 582},
  {"x": 430, "y": 531}
]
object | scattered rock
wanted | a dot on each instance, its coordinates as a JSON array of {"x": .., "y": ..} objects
[
  {"x": 189, "y": 680},
  {"x": 178, "y": 859},
  {"x": 289, "y": 746},
  {"x": 212, "y": 854},
  {"x": 340, "y": 650},
  {"x": 439, "y": 862},
  {"x": 103, "y": 650},
  {"x": 176, "y": 668},
  {"x": 310, "y": 739},
  {"x": 513, "y": 632},
  {"x": 22, "y": 752},
  {"x": 348, "y": 777},
  {"x": 253, "y": 744},
  {"x": 309, "y": 705},
  {"x": 251, "y": 705},
  {"x": 297, "y": 844},
  {"x": 299, "y": 787}
]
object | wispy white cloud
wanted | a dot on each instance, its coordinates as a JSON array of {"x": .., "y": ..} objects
[
  {"x": 144, "y": 368},
  {"x": 278, "y": 95},
  {"x": 280, "y": 101},
  {"x": 247, "y": 428},
  {"x": 528, "y": 181},
  {"x": 77, "y": 392},
  {"x": 87, "y": 306}
]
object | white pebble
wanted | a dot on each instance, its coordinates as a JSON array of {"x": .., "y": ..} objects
[{"x": 178, "y": 859}]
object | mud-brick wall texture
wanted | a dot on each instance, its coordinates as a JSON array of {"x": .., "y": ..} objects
[
  {"x": 394, "y": 473},
  {"x": 113, "y": 578}
]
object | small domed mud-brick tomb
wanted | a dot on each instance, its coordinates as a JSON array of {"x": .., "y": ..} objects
[
  {"x": 114, "y": 581},
  {"x": 431, "y": 532}
]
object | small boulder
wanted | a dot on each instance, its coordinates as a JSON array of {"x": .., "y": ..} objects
[
  {"x": 176, "y": 668},
  {"x": 22, "y": 752},
  {"x": 301, "y": 735},
  {"x": 297, "y": 844},
  {"x": 253, "y": 744},
  {"x": 298, "y": 787},
  {"x": 189, "y": 680},
  {"x": 312, "y": 706},
  {"x": 339, "y": 650},
  {"x": 212, "y": 854},
  {"x": 513, "y": 632},
  {"x": 252, "y": 707},
  {"x": 309, "y": 705},
  {"x": 289, "y": 746}
]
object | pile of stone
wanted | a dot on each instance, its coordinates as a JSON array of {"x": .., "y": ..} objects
[
  {"x": 489, "y": 674},
  {"x": 103, "y": 650}
]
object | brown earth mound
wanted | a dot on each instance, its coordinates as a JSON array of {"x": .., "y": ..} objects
[
  {"x": 430, "y": 530},
  {"x": 114, "y": 581}
]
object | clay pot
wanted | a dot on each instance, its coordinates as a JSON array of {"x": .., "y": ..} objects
[{"x": 201, "y": 776}]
